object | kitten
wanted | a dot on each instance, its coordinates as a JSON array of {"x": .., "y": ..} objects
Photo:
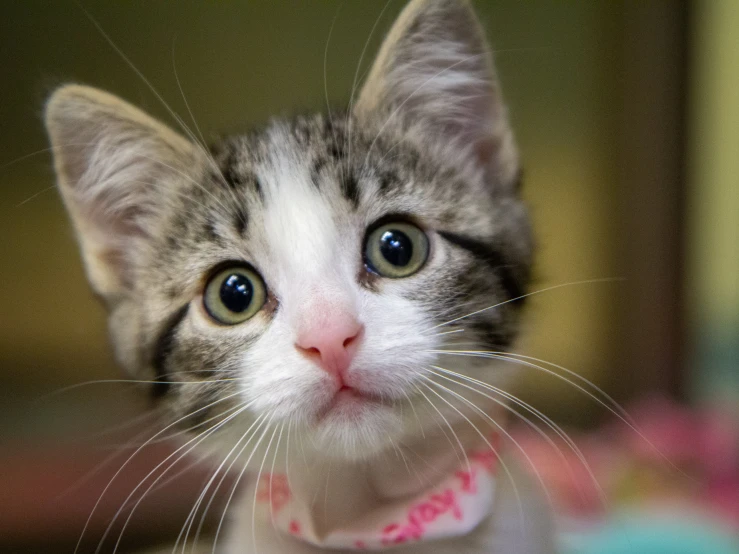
[{"x": 291, "y": 293}]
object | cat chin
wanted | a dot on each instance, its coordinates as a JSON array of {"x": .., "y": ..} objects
[{"x": 356, "y": 429}]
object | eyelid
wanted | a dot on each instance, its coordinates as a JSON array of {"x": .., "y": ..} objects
[
  {"x": 396, "y": 217},
  {"x": 226, "y": 264}
]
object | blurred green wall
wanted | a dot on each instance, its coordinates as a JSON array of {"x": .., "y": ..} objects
[{"x": 712, "y": 288}]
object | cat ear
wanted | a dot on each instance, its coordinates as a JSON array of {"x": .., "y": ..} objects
[
  {"x": 112, "y": 162},
  {"x": 435, "y": 69}
]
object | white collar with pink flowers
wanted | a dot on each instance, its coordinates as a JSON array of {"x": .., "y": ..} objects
[{"x": 452, "y": 507}]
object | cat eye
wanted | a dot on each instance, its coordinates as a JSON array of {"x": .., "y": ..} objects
[
  {"x": 234, "y": 294},
  {"x": 397, "y": 249}
]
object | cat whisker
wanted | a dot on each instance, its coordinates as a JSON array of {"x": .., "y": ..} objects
[
  {"x": 399, "y": 454},
  {"x": 415, "y": 414},
  {"x": 108, "y": 459},
  {"x": 256, "y": 491},
  {"x": 266, "y": 421},
  {"x": 540, "y": 415},
  {"x": 128, "y": 460},
  {"x": 187, "y": 177},
  {"x": 539, "y": 291},
  {"x": 190, "y": 519},
  {"x": 421, "y": 481},
  {"x": 195, "y": 441},
  {"x": 188, "y": 467},
  {"x": 452, "y": 332},
  {"x": 287, "y": 462},
  {"x": 287, "y": 453},
  {"x": 193, "y": 512},
  {"x": 513, "y": 360},
  {"x": 616, "y": 406},
  {"x": 329, "y": 113},
  {"x": 187, "y": 431},
  {"x": 202, "y": 142},
  {"x": 42, "y": 151},
  {"x": 271, "y": 476},
  {"x": 458, "y": 345},
  {"x": 487, "y": 442},
  {"x": 201, "y": 146},
  {"x": 30, "y": 155},
  {"x": 349, "y": 119},
  {"x": 449, "y": 426},
  {"x": 135, "y": 69},
  {"x": 495, "y": 424},
  {"x": 187, "y": 526},
  {"x": 150, "y": 413},
  {"x": 125, "y": 382},
  {"x": 35, "y": 195},
  {"x": 626, "y": 419},
  {"x": 325, "y": 489},
  {"x": 424, "y": 461},
  {"x": 302, "y": 446},
  {"x": 522, "y": 360}
]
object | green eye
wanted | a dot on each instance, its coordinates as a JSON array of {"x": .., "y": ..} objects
[
  {"x": 396, "y": 250},
  {"x": 234, "y": 294}
]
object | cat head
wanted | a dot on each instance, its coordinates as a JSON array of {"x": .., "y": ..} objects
[{"x": 309, "y": 272}]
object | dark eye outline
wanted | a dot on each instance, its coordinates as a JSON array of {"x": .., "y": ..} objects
[
  {"x": 212, "y": 303},
  {"x": 377, "y": 264}
]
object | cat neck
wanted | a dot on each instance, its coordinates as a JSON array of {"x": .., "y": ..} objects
[{"x": 329, "y": 496}]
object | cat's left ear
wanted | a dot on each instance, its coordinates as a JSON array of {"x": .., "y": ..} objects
[{"x": 435, "y": 69}]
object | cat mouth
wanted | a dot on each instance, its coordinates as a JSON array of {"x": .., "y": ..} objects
[
  {"x": 348, "y": 402},
  {"x": 347, "y": 392}
]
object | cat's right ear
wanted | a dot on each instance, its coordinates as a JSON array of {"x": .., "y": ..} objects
[{"x": 112, "y": 163}]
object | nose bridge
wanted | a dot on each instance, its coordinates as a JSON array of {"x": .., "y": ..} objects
[
  {"x": 313, "y": 262},
  {"x": 311, "y": 256},
  {"x": 316, "y": 270},
  {"x": 324, "y": 316},
  {"x": 305, "y": 245},
  {"x": 328, "y": 303}
]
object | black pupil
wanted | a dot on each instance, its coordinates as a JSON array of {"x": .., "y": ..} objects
[
  {"x": 236, "y": 292},
  {"x": 396, "y": 247}
]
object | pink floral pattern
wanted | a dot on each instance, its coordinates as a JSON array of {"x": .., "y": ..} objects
[{"x": 274, "y": 489}]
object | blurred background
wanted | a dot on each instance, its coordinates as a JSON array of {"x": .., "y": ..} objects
[{"x": 627, "y": 116}]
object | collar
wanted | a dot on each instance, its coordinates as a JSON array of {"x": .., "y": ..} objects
[{"x": 452, "y": 506}]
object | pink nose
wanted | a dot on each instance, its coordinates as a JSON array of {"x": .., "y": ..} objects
[{"x": 333, "y": 344}]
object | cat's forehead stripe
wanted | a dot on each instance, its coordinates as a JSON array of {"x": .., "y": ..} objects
[
  {"x": 331, "y": 151},
  {"x": 241, "y": 220},
  {"x": 350, "y": 189},
  {"x": 235, "y": 169}
]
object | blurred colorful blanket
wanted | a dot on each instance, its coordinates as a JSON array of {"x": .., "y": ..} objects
[{"x": 664, "y": 479}]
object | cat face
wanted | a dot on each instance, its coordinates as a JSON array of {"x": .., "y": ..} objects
[{"x": 310, "y": 272}]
